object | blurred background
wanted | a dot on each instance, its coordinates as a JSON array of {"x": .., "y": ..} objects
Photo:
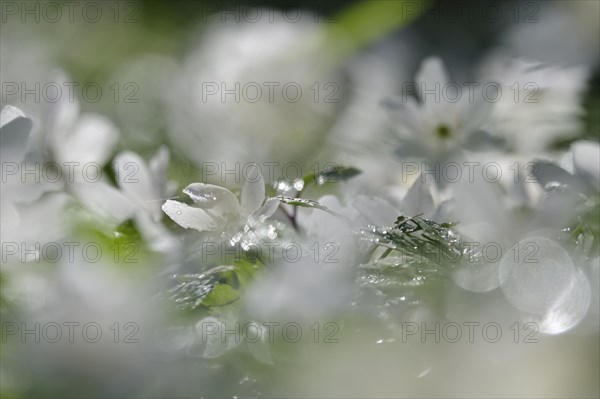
[{"x": 171, "y": 85}]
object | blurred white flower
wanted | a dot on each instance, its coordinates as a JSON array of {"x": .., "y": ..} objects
[
  {"x": 27, "y": 217},
  {"x": 252, "y": 92},
  {"x": 80, "y": 145},
  {"x": 218, "y": 209},
  {"x": 361, "y": 134},
  {"x": 566, "y": 187},
  {"x": 145, "y": 185},
  {"x": 586, "y": 162},
  {"x": 15, "y": 128},
  {"x": 539, "y": 105},
  {"x": 304, "y": 290},
  {"x": 434, "y": 127},
  {"x": 70, "y": 137},
  {"x": 579, "y": 170},
  {"x": 14, "y": 134}
]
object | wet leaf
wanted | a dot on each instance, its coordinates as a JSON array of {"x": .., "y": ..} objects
[
  {"x": 305, "y": 203},
  {"x": 222, "y": 294},
  {"x": 333, "y": 174}
]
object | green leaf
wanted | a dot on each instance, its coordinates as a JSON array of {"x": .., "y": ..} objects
[
  {"x": 123, "y": 246},
  {"x": 221, "y": 295},
  {"x": 304, "y": 203},
  {"x": 420, "y": 239},
  {"x": 334, "y": 174},
  {"x": 246, "y": 271}
]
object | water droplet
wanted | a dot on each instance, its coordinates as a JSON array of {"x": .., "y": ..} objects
[
  {"x": 298, "y": 185},
  {"x": 271, "y": 232},
  {"x": 283, "y": 186}
]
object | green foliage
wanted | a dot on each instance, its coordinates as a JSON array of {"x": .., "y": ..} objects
[
  {"x": 408, "y": 264},
  {"x": 221, "y": 295},
  {"x": 304, "y": 203},
  {"x": 584, "y": 232},
  {"x": 420, "y": 239},
  {"x": 333, "y": 174},
  {"x": 123, "y": 247},
  {"x": 218, "y": 286}
]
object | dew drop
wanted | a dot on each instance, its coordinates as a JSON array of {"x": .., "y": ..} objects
[{"x": 299, "y": 185}]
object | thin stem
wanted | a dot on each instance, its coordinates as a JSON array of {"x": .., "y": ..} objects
[{"x": 385, "y": 253}]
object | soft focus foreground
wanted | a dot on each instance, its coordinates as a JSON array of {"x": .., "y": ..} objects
[{"x": 338, "y": 199}]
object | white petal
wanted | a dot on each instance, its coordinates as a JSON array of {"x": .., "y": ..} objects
[
  {"x": 91, "y": 140},
  {"x": 376, "y": 211},
  {"x": 432, "y": 75},
  {"x": 253, "y": 192},
  {"x": 104, "y": 200},
  {"x": 158, "y": 166},
  {"x": 586, "y": 160},
  {"x": 418, "y": 199},
  {"x": 406, "y": 114},
  {"x": 43, "y": 220},
  {"x": 137, "y": 181},
  {"x": 189, "y": 217},
  {"x": 266, "y": 211},
  {"x": 60, "y": 117},
  {"x": 14, "y": 134},
  {"x": 214, "y": 200},
  {"x": 9, "y": 113},
  {"x": 157, "y": 236},
  {"x": 432, "y": 78},
  {"x": 548, "y": 173},
  {"x": 476, "y": 114}
]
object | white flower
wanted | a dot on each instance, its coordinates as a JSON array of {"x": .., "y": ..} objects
[
  {"x": 580, "y": 169},
  {"x": 71, "y": 137},
  {"x": 539, "y": 105},
  {"x": 14, "y": 134},
  {"x": 586, "y": 162},
  {"x": 145, "y": 185},
  {"x": 435, "y": 127},
  {"x": 27, "y": 217},
  {"x": 218, "y": 209},
  {"x": 81, "y": 144},
  {"x": 78, "y": 144},
  {"x": 244, "y": 74},
  {"x": 15, "y": 129}
]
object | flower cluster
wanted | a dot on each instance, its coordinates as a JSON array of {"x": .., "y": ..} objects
[{"x": 425, "y": 190}]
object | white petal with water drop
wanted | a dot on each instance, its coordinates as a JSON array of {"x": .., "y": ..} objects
[
  {"x": 215, "y": 200},
  {"x": 189, "y": 217}
]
